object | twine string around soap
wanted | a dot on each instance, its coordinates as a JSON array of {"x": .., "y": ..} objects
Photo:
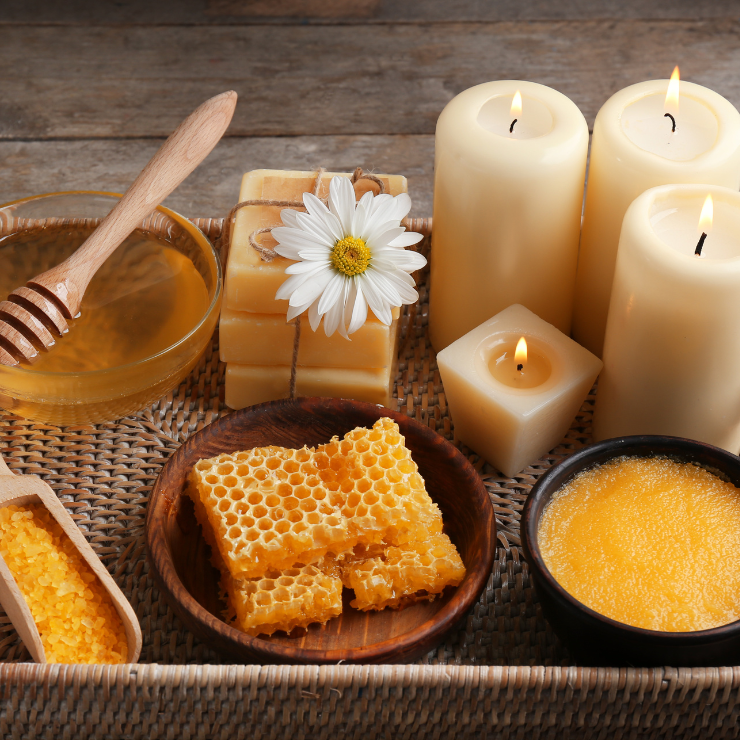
[{"x": 268, "y": 255}]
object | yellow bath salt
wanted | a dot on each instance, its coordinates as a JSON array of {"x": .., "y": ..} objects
[
  {"x": 75, "y": 616},
  {"x": 649, "y": 542}
]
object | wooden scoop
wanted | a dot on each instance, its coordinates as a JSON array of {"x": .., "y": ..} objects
[
  {"x": 22, "y": 490},
  {"x": 33, "y": 315}
]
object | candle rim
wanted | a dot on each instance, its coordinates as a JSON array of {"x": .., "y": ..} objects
[
  {"x": 710, "y": 267},
  {"x": 569, "y": 127},
  {"x": 608, "y": 124}
]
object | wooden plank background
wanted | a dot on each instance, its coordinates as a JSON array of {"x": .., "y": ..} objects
[{"x": 89, "y": 90}]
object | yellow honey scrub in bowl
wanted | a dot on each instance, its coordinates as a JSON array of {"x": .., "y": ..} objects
[
  {"x": 634, "y": 546},
  {"x": 145, "y": 319}
]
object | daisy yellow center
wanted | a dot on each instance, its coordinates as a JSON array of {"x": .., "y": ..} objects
[{"x": 350, "y": 256}]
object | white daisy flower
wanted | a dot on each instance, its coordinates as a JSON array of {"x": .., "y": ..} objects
[{"x": 348, "y": 256}]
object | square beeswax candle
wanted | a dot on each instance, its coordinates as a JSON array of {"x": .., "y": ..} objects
[{"x": 508, "y": 406}]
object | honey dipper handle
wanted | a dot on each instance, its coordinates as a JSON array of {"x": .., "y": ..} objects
[
  {"x": 183, "y": 151},
  {"x": 4, "y": 469}
]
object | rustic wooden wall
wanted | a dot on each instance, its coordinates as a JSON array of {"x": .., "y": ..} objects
[{"x": 89, "y": 90}]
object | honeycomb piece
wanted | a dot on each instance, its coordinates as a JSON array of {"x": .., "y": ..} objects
[
  {"x": 284, "y": 600},
  {"x": 74, "y": 614},
  {"x": 269, "y": 509},
  {"x": 414, "y": 571},
  {"x": 279, "y": 600},
  {"x": 372, "y": 477}
]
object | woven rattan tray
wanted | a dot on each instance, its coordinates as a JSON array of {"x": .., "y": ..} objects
[{"x": 502, "y": 673}]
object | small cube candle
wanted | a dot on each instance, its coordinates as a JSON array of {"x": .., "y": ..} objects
[{"x": 509, "y": 408}]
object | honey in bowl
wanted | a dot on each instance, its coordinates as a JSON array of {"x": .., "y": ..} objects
[
  {"x": 648, "y": 542},
  {"x": 146, "y": 317},
  {"x": 144, "y": 298}
]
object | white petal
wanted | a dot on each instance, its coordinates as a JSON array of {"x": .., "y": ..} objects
[
  {"x": 367, "y": 201},
  {"x": 342, "y": 202},
  {"x": 344, "y": 299},
  {"x": 294, "y": 311},
  {"x": 320, "y": 254},
  {"x": 296, "y": 238},
  {"x": 378, "y": 305},
  {"x": 404, "y": 290},
  {"x": 382, "y": 236},
  {"x": 359, "y": 310},
  {"x": 316, "y": 228},
  {"x": 358, "y": 220},
  {"x": 402, "y": 259},
  {"x": 314, "y": 317},
  {"x": 381, "y": 205},
  {"x": 290, "y": 253},
  {"x": 332, "y": 293},
  {"x": 311, "y": 289},
  {"x": 407, "y": 239},
  {"x": 401, "y": 206},
  {"x": 300, "y": 267},
  {"x": 316, "y": 208},
  {"x": 332, "y": 317},
  {"x": 385, "y": 287},
  {"x": 292, "y": 284},
  {"x": 288, "y": 217}
]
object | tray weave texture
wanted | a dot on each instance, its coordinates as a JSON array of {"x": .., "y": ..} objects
[{"x": 501, "y": 673}]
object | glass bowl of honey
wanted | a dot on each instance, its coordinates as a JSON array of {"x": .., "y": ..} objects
[
  {"x": 634, "y": 548},
  {"x": 146, "y": 317}
]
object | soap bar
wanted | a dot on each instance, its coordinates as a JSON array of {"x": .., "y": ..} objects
[
  {"x": 266, "y": 339},
  {"x": 250, "y": 384},
  {"x": 251, "y": 283}
]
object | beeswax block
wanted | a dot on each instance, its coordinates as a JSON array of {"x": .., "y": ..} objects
[
  {"x": 250, "y": 384},
  {"x": 251, "y": 283},
  {"x": 266, "y": 339}
]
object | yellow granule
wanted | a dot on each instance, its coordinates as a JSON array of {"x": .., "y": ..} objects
[{"x": 75, "y": 616}]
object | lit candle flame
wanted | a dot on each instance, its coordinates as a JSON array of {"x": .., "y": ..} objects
[
  {"x": 671, "y": 98},
  {"x": 516, "y": 105},
  {"x": 520, "y": 353},
  {"x": 707, "y": 214}
]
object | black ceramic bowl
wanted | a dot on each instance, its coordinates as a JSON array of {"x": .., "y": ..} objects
[{"x": 594, "y": 638}]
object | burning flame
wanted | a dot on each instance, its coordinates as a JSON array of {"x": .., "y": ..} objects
[
  {"x": 520, "y": 353},
  {"x": 671, "y": 98},
  {"x": 707, "y": 213},
  {"x": 516, "y": 105}
]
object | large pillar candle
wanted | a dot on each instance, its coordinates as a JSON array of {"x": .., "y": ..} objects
[
  {"x": 672, "y": 345},
  {"x": 634, "y": 148},
  {"x": 507, "y": 206}
]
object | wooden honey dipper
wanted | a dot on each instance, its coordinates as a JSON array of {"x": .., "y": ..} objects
[{"x": 34, "y": 314}]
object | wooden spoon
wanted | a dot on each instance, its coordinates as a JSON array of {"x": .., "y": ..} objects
[
  {"x": 34, "y": 314},
  {"x": 22, "y": 490}
]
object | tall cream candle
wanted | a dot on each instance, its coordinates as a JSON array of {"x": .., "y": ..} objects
[
  {"x": 507, "y": 206},
  {"x": 634, "y": 148},
  {"x": 672, "y": 345}
]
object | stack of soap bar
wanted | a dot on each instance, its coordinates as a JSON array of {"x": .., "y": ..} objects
[{"x": 256, "y": 342}]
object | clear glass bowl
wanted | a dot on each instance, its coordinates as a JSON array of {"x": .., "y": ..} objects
[{"x": 81, "y": 397}]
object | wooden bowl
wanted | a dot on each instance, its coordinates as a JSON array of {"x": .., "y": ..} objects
[
  {"x": 182, "y": 570},
  {"x": 594, "y": 638}
]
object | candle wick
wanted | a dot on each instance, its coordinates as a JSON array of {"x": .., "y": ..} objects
[
  {"x": 673, "y": 121},
  {"x": 700, "y": 244},
  {"x": 511, "y": 128},
  {"x": 520, "y": 367}
]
